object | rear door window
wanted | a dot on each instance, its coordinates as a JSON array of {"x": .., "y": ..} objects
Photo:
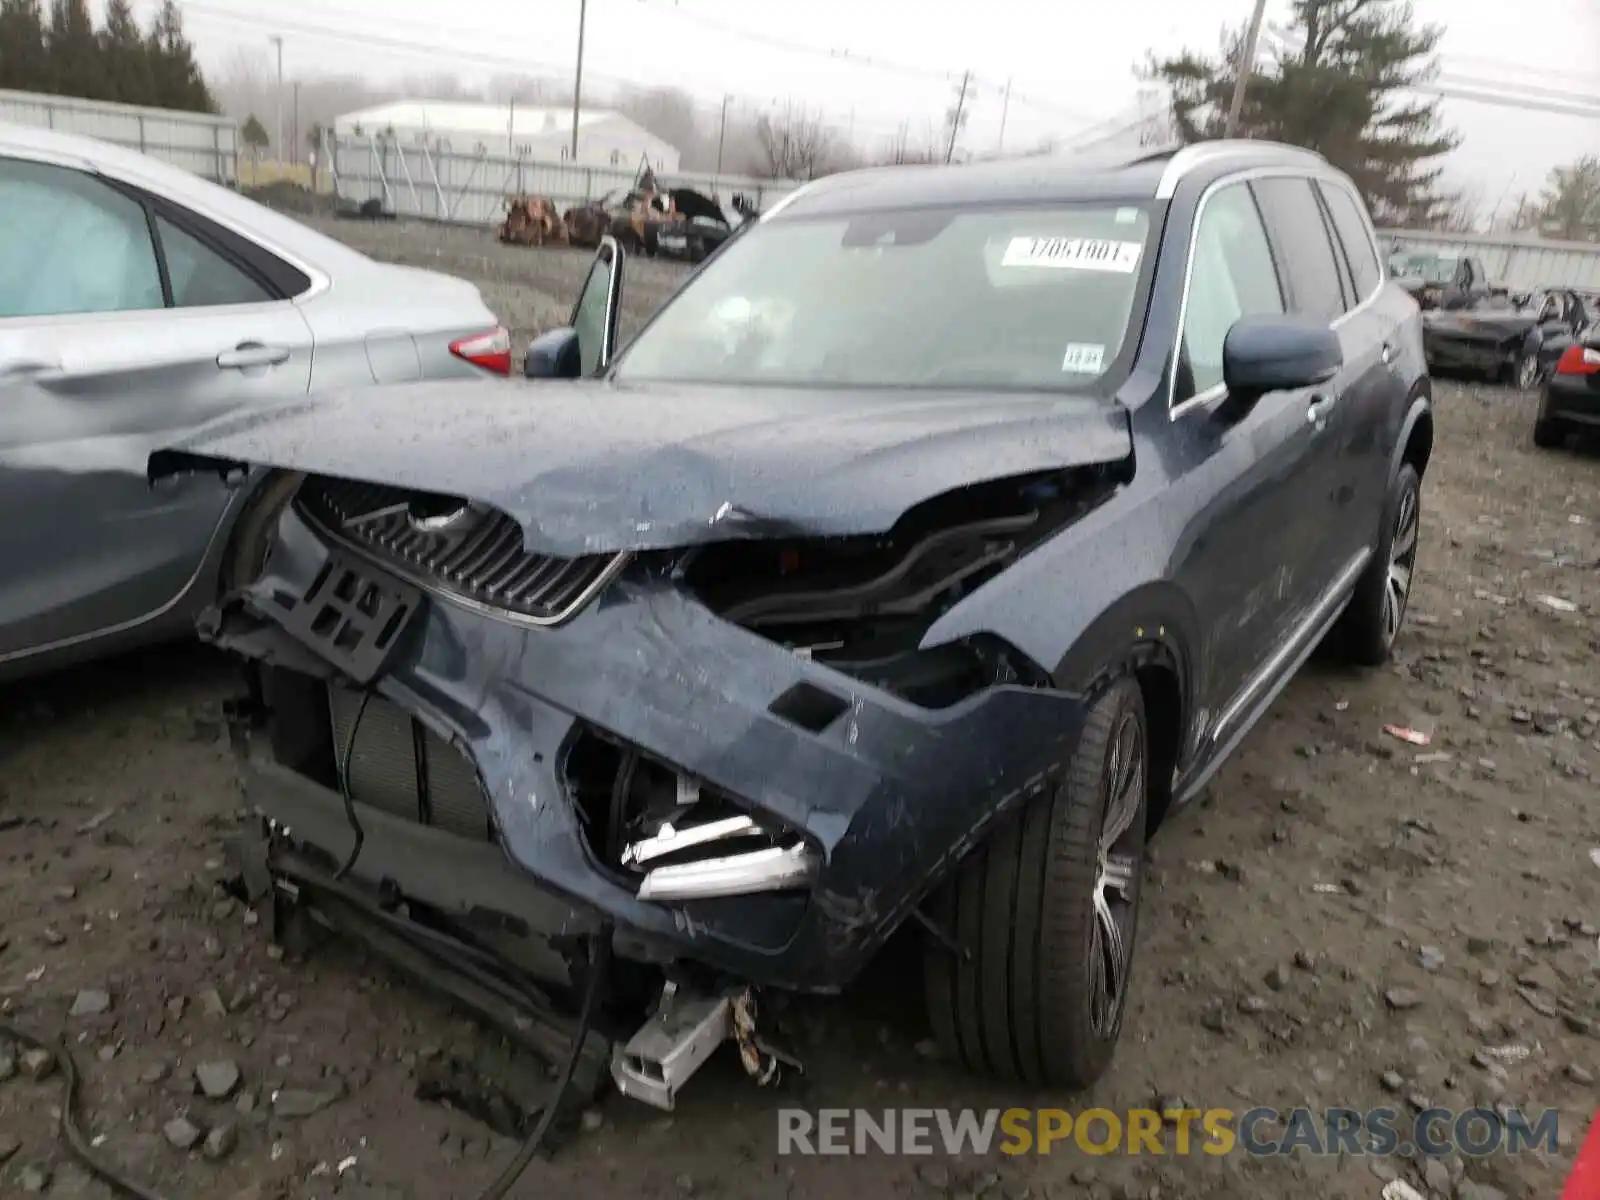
[
  {"x": 70, "y": 243},
  {"x": 201, "y": 277},
  {"x": 1351, "y": 227},
  {"x": 1304, "y": 247}
]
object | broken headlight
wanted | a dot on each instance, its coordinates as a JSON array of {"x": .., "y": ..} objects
[{"x": 674, "y": 838}]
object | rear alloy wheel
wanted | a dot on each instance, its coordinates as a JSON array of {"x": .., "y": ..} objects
[
  {"x": 1046, "y": 912},
  {"x": 1525, "y": 373},
  {"x": 1377, "y": 611}
]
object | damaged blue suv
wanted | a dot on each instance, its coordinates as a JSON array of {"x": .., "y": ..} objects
[{"x": 935, "y": 542}]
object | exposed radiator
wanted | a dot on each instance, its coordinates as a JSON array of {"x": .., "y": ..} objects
[{"x": 403, "y": 768}]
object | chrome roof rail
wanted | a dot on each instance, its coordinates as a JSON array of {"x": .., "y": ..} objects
[{"x": 1247, "y": 151}]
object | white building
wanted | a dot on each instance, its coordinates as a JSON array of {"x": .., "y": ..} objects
[{"x": 543, "y": 134}]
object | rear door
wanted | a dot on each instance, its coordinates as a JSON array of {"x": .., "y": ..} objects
[
  {"x": 124, "y": 323},
  {"x": 1347, "y": 505},
  {"x": 1378, "y": 396}
]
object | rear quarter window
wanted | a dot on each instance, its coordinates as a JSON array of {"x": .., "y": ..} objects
[{"x": 1351, "y": 227}]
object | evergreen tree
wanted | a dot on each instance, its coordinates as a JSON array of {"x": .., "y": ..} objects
[
  {"x": 123, "y": 55},
  {"x": 23, "y": 64},
  {"x": 74, "y": 52},
  {"x": 1341, "y": 89},
  {"x": 176, "y": 81},
  {"x": 254, "y": 135}
]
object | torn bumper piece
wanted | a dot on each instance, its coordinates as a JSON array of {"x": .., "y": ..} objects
[{"x": 874, "y": 805}]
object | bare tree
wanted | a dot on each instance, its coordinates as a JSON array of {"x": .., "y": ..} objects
[
  {"x": 796, "y": 144},
  {"x": 1460, "y": 212}
]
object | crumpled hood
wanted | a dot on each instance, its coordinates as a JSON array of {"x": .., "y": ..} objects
[
  {"x": 595, "y": 468},
  {"x": 1478, "y": 327}
]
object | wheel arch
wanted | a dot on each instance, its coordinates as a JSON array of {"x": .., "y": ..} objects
[
  {"x": 1153, "y": 635},
  {"x": 1415, "y": 443}
]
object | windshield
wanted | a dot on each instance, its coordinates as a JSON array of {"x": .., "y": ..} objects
[
  {"x": 1430, "y": 268},
  {"x": 940, "y": 298}
]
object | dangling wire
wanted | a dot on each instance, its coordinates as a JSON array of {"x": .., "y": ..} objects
[{"x": 344, "y": 789}]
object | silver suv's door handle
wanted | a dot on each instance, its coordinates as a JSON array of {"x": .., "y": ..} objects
[
  {"x": 1388, "y": 353},
  {"x": 252, "y": 354},
  {"x": 1319, "y": 408}
]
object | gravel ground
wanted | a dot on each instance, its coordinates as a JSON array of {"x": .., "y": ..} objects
[
  {"x": 531, "y": 290},
  {"x": 1346, "y": 920}
]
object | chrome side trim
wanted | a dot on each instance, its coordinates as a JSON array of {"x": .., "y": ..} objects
[
  {"x": 432, "y": 587},
  {"x": 1309, "y": 624},
  {"x": 1197, "y": 155},
  {"x": 1325, "y": 175}
]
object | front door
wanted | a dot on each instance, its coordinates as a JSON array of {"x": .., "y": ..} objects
[
  {"x": 1243, "y": 474},
  {"x": 110, "y": 348}
]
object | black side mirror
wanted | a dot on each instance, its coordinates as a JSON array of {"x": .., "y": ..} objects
[
  {"x": 553, "y": 355},
  {"x": 1264, "y": 354}
]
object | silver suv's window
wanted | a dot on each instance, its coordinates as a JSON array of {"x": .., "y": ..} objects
[
  {"x": 71, "y": 244},
  {"x": 1231, "y": 276},
  {"x": 938, "y": 298}
]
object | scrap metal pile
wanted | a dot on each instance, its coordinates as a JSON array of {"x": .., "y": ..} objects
[{"x": 645, "y": 218}]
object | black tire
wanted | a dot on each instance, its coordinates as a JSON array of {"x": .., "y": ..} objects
[
  {"x": 1368, "y": 629},
  {"x": 246, "y": 555},
  {"x": 1523, "y": 374},
  {"x": 1021, "y": 1006},
  {"x": 1548, "y": 434}
]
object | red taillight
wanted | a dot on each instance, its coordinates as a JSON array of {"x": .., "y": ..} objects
[
  {"x": 1579, "y": 360},
  {"x": 491, "y": 351}
]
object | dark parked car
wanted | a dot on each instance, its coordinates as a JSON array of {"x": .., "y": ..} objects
[
  {"x": 1571, "y": 400},
  {"x": 1516, "y": 339},
  {"x": 927, "y": 550},
  {"x": 1441, "y": 280},
  {"x": 700, "y": 228}
]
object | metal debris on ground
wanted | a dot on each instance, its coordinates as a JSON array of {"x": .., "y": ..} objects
[
  {"x": 1415, "y": 736},
  {"x": 1556, "y": 604},
  {"x": 532, "y": 221}
]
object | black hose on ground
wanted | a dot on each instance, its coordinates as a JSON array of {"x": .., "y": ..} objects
[
  {"x": 599, "y": 961},
  {"x": 67, "y": 1125}
]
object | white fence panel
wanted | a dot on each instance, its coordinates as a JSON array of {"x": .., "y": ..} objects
[
  {"x": 1517, "y": 262},
  {"x": 435, "y": 183},
  {"x": 198, "y": 142}
]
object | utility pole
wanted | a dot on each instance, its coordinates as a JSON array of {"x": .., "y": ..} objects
[
  {"x": 277, "y": 133},
  {"x": 1247, "y": 65},
  {"x": 577, "y": 77},
  {"x": 511, "y": 128},
  {"x": 294, "y": 137},
  {"x": 958, "y": 114},
  {"x": 722, "y": 131},
  {"x": 1005, "y": 108}
]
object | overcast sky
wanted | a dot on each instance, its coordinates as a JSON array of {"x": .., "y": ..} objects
[{"x": 873, "y": 64}]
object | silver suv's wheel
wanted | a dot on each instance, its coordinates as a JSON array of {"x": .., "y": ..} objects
[
  {"x": 1046, "y": 913},
  {"x": 1526, "y": 372}
]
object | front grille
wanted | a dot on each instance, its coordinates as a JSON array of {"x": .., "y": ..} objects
[
  {"x": 405, "y": 769},
  {"x": 463, "y": 550}
]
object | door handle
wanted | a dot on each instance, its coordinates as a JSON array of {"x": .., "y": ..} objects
[
  {"x": 252, "y": 354},
  {"x": 1388, "y": 353},
  {"x": 1319, "y": 408}
]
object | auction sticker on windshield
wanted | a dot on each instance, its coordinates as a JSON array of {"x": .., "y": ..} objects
[
  {"x": 1073, "y": 254},
  {"x": 1083, "y": 358}
]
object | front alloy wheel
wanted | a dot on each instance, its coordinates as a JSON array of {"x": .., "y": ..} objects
[
  {"x": 1527, "y": 372},
  {"x": 1117, "y": 866},
  {"x": 1045, "y": 914}
]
